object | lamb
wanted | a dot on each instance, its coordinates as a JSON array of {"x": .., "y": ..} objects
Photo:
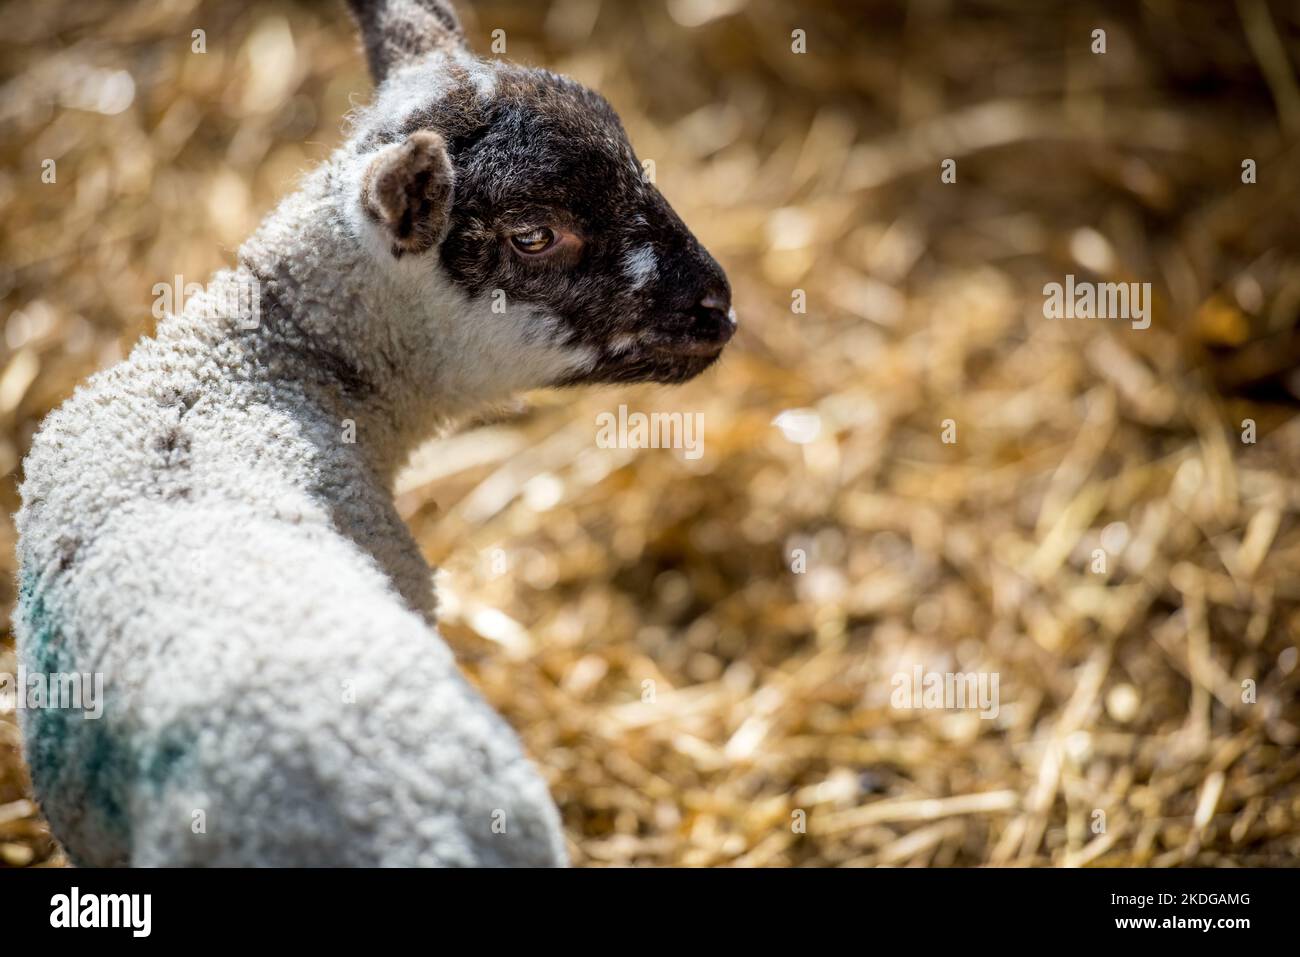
[{"x": 210, "y": 525}]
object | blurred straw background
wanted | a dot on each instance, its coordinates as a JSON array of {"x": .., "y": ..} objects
[{"x": 692, "y": 699}]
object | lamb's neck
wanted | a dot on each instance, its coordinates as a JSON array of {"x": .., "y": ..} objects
[
  {"x": 331, "y": 322},
  {"x": 329, "y": 434}
]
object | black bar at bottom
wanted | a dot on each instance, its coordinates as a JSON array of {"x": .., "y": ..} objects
[{"x": 731, "y": 906}]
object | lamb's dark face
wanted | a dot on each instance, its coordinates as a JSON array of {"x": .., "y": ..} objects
[
  {"x": 553, "y": 209},
  {"x": 552, "y": 220}
]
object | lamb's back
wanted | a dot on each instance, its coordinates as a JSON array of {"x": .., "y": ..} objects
[
  {"x": 259, "y": 665},
  {"x": 264, "y": 683}
]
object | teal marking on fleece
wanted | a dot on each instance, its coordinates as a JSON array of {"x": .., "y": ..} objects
[
  {"x": 70, "y": 757},
  {"x": 47, "y": 732},
  {"x": 166, "y": 757},
  {"x": 92, "y": 765}
]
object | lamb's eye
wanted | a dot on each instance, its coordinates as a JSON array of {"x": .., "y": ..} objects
[{"x": 534, "y": 241}]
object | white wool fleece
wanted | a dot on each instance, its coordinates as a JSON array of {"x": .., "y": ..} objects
[{"x": 197, "y": 528}]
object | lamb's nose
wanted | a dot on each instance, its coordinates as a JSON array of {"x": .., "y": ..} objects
[
  {"x": 716, "y": 303},
  {"x": 713, "y": 320}
]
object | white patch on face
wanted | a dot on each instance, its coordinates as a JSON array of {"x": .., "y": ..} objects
[
  {"x": 623, "y": 343},
  {"x": 639, "y": 265},
  {"x": 731, "y": 316},
  {"x": 412, "y": 87},
  {"x": 491, "y": 354},
  {"x": 481, "y": 73}
]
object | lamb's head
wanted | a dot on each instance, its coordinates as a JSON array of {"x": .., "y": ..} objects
[{"x": 519, "y": 189}]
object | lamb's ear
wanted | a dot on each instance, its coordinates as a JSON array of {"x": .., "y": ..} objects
[
  {"x": 407, "y": 191},
  {"x": 397, "y": 31}
]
